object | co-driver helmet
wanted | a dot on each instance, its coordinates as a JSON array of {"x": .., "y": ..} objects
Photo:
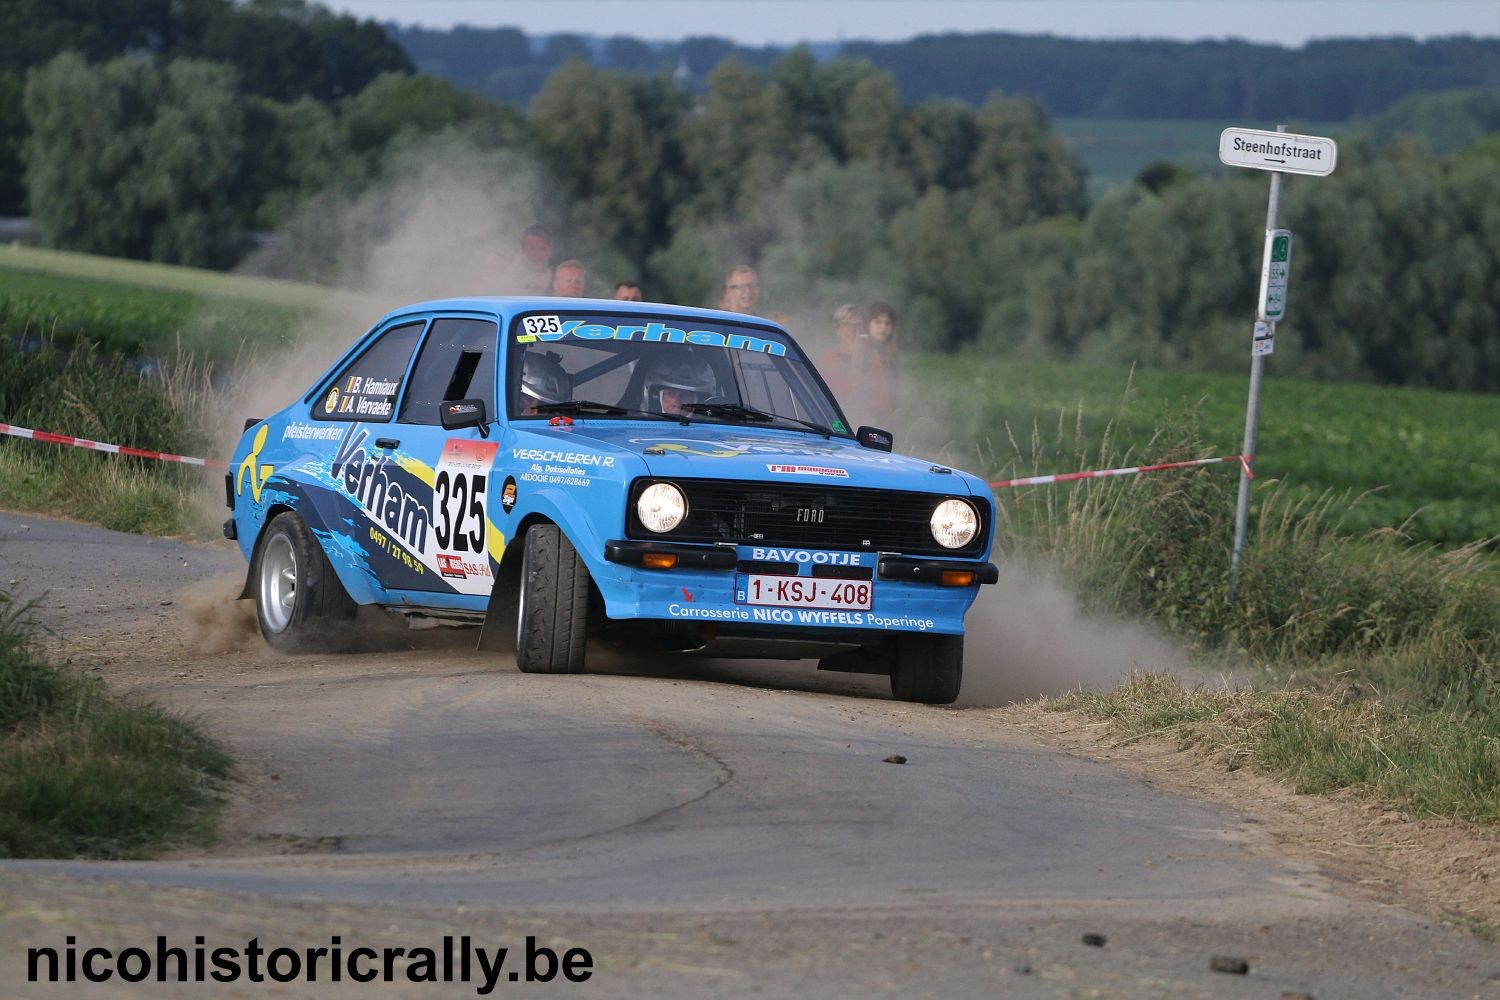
[
  {"x": 544, "y": 380},
  {"x": 693, "y": 378}
]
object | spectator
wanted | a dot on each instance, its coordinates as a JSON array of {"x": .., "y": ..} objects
[
  {"x": 843, "y": 364},
  {"x": 628, "y": 291},
  {"x": 741, "y": 289},
  {"x": 534, "y": 265},
  {"x": 882, "y": 363},
  {"x": 569, "y": 279}
]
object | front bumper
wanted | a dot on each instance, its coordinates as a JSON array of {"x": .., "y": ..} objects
[{"x": 702, "y": 585}]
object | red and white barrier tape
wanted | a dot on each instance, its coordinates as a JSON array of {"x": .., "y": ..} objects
[
  {"x": 113, "y": 449},
  {"x": 160, "y": 456},
  {"x": 1069, "y": 477}
]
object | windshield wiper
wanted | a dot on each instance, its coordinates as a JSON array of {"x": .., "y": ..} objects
[
  {"x": 602, "y": 409},
  {"x": 750, "y": 413},
  {"x": 580, "y": 406}
]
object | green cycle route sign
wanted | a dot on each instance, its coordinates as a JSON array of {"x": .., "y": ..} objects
[{"x": 1275, "y": 268}]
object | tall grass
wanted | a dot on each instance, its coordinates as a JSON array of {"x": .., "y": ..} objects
[
  {"x": 85, "y": 393},
  {"x": 1309, "y": 600},
  {"x": 87, "y": 774}
]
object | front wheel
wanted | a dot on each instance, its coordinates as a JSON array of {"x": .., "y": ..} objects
[
  {"x": 300, "y": 603},
  {"x": 553, "y": 607},
  {"x": 927, "y": 668}
]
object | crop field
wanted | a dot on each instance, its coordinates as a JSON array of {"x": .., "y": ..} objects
[
  {"x": 135, "y": 308},
  {"x": 1423, "y": 459}
]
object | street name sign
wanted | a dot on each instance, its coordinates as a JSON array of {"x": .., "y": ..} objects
[{"x": 1286, "y": 152}]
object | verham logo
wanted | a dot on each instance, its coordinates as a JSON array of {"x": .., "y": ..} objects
[{"x": 808, "y": 470}]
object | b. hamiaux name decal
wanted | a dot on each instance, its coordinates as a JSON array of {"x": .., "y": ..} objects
[{"x": 444, "y": 525}]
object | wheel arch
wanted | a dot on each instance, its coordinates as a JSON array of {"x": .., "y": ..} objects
[
  {"x": 247, "y": 592},
  {"x": 498, "y": 633}
]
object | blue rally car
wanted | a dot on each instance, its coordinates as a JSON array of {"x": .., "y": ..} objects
[{"x": 560, "y": 470}]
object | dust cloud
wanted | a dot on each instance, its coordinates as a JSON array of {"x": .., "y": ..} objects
[
  {"x": 214, "y": 620},
  {"x": 446, "y": 226},
  {"x": 1026, "y": 637}
]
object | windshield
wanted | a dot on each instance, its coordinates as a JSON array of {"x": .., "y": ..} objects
[{"x": 642, "y": 367}]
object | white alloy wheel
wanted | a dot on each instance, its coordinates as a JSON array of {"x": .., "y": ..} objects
[{"x": 278, "y": 582}]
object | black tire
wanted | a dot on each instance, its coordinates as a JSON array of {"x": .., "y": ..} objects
[
  {"x": 553, "y": 606},
  {"x": 300, "y": 603},
  {"x": 927, "y": 668}
]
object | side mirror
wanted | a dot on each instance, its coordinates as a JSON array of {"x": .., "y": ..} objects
[
  {"x": 459, "y": 413},
  {"x": 875, "y": 438}
]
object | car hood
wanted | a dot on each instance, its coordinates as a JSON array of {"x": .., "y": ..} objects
[{"x": 719, "y": 451}]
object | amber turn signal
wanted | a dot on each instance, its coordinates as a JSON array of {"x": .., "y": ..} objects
[
  {"x": 661, "y": 560},
  {"x": 957, "y": 577}
]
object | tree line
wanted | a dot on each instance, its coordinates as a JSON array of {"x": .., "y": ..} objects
[
  {"x": 1324, "y": 80},
  {"x": 974, "y": 220}
]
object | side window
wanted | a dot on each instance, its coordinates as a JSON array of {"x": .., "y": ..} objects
[
  {"x": 457, "y": 362},
  {"x": 366, "y": 389}
]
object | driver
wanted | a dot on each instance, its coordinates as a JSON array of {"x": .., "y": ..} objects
[
  {"x": 670, "y": 383},
  {"x": 543, "y": 380}
]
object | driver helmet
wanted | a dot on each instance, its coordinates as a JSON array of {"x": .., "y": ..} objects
[
  {"x": 544, "y": 380},
  {"x": 691, "y": 379}
]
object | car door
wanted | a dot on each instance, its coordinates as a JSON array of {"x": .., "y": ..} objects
[
  {"x": 457, "y": 545},
  {"x": 338, "y": 474}
]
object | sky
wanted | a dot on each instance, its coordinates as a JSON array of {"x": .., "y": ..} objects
[{"x": 759, "y": 22}]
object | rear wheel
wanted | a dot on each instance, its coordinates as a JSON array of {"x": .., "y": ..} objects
[
  {"x": 553, "y": 606},
  {"x": 927, "y": 668},
  {"x": 299, "y": 601}
]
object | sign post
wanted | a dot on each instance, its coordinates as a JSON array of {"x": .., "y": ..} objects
[{"x": 1281, "y": 153}]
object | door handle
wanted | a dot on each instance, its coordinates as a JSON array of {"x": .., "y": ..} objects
[{"x": 390, "y": 443}]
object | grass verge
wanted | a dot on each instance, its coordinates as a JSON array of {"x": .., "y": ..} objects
[
  {"x": 1386, "y": 653},
  {"x": 1431, "y": 762},
  {"x": 86, "y": 774}
]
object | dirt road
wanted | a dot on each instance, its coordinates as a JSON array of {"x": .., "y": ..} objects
[{"x": 701, "y": 829}]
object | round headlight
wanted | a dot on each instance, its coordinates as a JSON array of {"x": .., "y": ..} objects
[
  {"x": 661, "y": 507},
  {"x": 954, "y": 523}
]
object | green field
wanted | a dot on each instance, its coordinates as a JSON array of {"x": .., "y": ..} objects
[
  {"x": 1428, "y": 456},
  {"x": 195, "y": 282},
  {"x": 132, "y": 307}
]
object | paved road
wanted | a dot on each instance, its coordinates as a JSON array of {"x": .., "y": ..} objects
[{"x": 702, "y": 829}]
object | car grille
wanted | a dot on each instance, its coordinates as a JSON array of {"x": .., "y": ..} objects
[{"x": 808, "y": 517}]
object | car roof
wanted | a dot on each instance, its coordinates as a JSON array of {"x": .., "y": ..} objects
[{"x": 511, "y": 304}]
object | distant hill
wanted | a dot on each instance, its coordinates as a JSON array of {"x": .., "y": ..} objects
[{"x": 1328, "y": 80}]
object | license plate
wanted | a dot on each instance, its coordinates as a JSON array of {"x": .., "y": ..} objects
[{"x": 804, "y": 592}]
